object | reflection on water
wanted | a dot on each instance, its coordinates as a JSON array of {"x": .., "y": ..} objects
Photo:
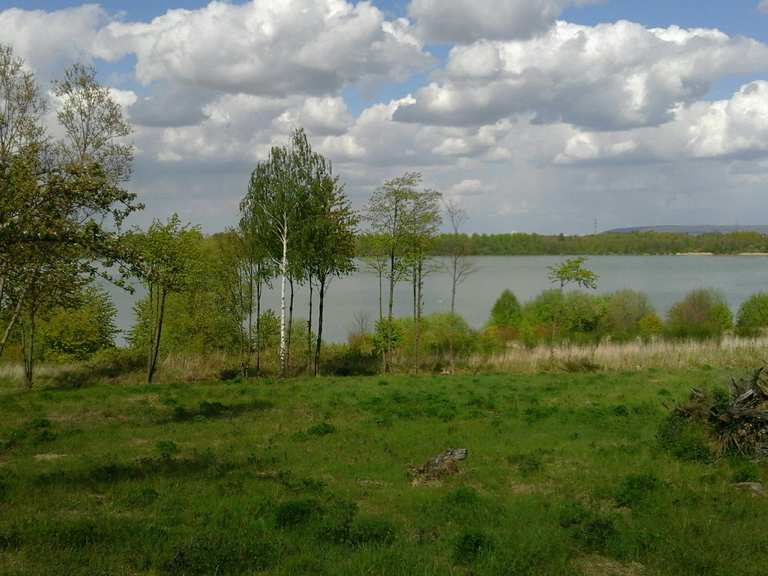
[{"x": 664, "y": 278}]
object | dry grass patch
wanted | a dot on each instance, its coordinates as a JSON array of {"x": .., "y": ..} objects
[{"x": 600, "y": 566}]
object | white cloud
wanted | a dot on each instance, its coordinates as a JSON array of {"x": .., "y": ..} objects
[
  {"x": 465, "y": 21},
  {"x": 608, "y": 77},
  {"x": 763, "y": 6},
  {"x": 725, "y": 129},
  {"x": 268, "y": 47},
  {"x": 50, "y": 41}
]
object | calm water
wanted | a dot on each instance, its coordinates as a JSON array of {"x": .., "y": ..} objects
[{"x": 665, "y": 279}]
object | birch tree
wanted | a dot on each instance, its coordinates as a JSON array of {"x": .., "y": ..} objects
[
  {"x": 460, "y": 263},
  {"x": 331, "y": 238}
]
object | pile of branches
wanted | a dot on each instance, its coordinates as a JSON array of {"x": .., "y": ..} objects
[
  {"x": 742, "y": 426},
  {"x": 736, "y": 422}
]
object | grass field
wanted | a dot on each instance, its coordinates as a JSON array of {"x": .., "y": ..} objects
[{"x": 310, "y": 477}]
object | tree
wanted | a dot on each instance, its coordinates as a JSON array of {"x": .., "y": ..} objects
[
  {"x": 330, "y": 236},
  {"x": 168, "y": 264},
  {"x": 275, "y": 209},
  {"x": 572, "y": 271},
  {"x": 387, "y": 217},
  {"x": 423, "y": 223},
  {"x": 62, "y": 202},
  {"x": 79, "y": 331},
  {"x": 461, "y": 265},
  {"x": 506, "y": 311}
]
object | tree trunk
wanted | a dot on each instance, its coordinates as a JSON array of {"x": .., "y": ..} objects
[
  {"x": 283, "y": 277},
  {"x": 309, "y": 328},
  {"x": 152, "y": 328},
  {"x": 454, "y": 281},
  {"x": 320, "y": 326},
  {"x": 28, "y": 346},
  {"x": 418, "y": 283},
  {"x": 415, "y": 284},
  {"x": 381, "y": 293},
  {"x": 158, "y": 335},
  {"x": 258, "y": 327},
  {"x": 290, "y": 325},
  {"x": 11, "y": 324}
]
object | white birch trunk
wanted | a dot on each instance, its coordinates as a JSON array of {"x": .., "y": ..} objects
[{"x": 283, "y": 274}]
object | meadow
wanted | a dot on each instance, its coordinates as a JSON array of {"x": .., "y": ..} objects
[{"x": 565, "y": 476}]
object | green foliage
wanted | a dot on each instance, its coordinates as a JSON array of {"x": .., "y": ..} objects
[
  {"x": 701, "y": 314},
  {"x": 628, "y": 314},
  {"x": 506, "y": 311},
  {"x": 79, "y": 332},
  {"x": 752, "y": 318},
  {"x": 663, "y": 243},
  {"x": 572, "y": 271}
]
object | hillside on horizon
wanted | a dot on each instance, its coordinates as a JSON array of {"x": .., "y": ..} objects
[{"x": 682, "y": 229}]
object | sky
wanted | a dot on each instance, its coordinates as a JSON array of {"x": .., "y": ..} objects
[{"x": 543, "y": 116}]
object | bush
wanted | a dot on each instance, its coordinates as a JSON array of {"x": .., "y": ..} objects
[
  {"x": 624, "y": 312},
  {"x": 349, "y": 360},
  {"x": 702, "y": 314},
  {"x": 441, "y": 337},
  {"x": 78, "y": 332},
  {"x": 506, "y": 312},
  {"x": 555, "y": 315},
  {"x": 752, "y": 319}
]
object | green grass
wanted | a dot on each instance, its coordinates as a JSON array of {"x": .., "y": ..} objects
[{"x": 564, "y": 476}]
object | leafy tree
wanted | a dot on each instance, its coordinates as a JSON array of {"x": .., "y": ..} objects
[
  {"x": 330, "y": 241},
  {"x": 273, "y": 208},
  {"x": 572, "y": 271},
  {"x": 458, "y": 248},
  {"x": 752, "y": 319},
  {"x": 62, "y": 201},
  {"x": 81, "y": 330},
  {"x": 169, "y": 254},
  {"x": 506, "y": 312},
  {"x": 624, "y": 311},
  {"x": 702, "y": 314},
  {"x": 388, "y": 217}
]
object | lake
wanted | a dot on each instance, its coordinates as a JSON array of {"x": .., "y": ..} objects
[{"x": 666, "y": 279}]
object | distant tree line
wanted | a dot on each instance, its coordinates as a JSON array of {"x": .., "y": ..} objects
[{"x": 630, "y": 243}]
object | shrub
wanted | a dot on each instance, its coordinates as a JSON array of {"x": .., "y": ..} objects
[
  {"x": 624, "y": 312},
  {"x": 350, "y": 359},
  {"x": 506, "y": 312},
  {"x": 80, "y": 331},
  {"x": 441, "y": 337},
  {"x": 555, "y": 315},
  {"x": 701, "y": 314},
  {"x": 752, "y": 319},
  {"x": 650, "y": 326}
]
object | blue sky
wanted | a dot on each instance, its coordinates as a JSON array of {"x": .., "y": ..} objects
[{"x": 496, "y": 103}]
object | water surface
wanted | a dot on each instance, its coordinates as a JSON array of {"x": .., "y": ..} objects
[{"x": 665, "y": 279}]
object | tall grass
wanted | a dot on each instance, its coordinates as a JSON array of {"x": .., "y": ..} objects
[{"x": 729, "y": 352}]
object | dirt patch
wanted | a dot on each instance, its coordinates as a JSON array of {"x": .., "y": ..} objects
[{"x": 601, "y": 566}]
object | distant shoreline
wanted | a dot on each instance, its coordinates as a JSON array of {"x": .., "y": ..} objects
[{"x": 714, "y": 254}]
